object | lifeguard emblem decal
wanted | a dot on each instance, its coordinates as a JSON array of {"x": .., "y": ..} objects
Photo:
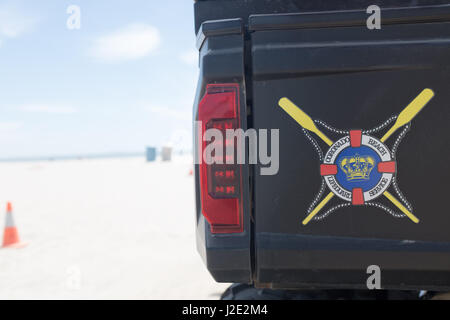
[{"x": 358, "y": 168}]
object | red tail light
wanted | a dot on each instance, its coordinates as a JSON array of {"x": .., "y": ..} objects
[{"x": 221, "y": 184}]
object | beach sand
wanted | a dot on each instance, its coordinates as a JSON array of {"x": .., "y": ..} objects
[{"x": 103, "y": 229}]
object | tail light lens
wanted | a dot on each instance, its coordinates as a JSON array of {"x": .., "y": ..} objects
[{"x": 221, "y": 184}]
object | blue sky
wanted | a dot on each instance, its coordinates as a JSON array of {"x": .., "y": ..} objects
[{"x": 124, "y": 80}]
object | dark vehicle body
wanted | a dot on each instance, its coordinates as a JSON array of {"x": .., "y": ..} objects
[{"x": 321, "y": 55}]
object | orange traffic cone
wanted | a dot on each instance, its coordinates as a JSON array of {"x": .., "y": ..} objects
[{"x": 10, "y": 235}]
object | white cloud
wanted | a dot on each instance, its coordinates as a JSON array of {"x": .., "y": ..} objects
[
  {"x": 169, "y": 112},
  {"x": 44, "y": 108},
  {"x": 132, "y": 42},
  {"x": 10, "y": 134},
  {"x": 14, "y": 21},
  {"x": 9, "y": 126},
  {"x": 190, "y": 57}
]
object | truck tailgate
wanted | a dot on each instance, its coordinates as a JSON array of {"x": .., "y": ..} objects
[{"x": 347, "y": 77}]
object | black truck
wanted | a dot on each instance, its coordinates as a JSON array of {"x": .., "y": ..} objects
[{"x": 351, "y": 98}]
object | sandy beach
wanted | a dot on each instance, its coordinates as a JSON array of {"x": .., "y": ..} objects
[{"x": 102, "y": 229}]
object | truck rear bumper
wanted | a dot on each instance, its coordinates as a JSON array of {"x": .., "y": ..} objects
[{"x": 308, "y": 261}]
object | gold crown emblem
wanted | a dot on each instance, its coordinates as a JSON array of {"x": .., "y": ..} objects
[{"x": 357, "y": 167}]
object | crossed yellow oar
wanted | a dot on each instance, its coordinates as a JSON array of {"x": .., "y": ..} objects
[{"x": 403, "y": 118}]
